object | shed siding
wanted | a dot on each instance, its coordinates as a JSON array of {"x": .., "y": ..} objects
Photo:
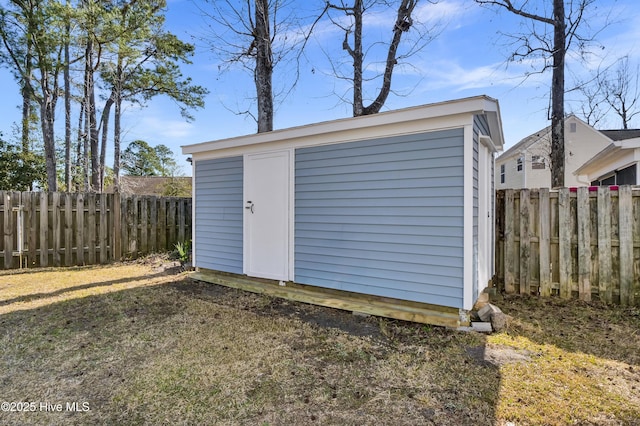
[
  {"x": 383, "y": 217},
  {"x": 218, "y": 214}
]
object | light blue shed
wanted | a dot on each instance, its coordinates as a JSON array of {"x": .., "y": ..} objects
[{"x": 396, "y": 206}]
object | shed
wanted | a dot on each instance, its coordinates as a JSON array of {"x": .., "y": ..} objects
[{"x": 386, "y": 214}]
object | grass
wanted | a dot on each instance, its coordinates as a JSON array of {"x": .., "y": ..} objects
[{"x": 144, "y": 345}]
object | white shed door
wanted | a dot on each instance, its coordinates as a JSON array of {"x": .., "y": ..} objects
[{"x": 266, "y": 215}]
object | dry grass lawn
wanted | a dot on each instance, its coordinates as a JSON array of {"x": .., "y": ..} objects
[{"x": 138, "y": 344}]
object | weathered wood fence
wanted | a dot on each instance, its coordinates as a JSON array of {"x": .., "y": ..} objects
[
  {"x": 65, "y": 229},
  {"x": 580, "y": 243}
]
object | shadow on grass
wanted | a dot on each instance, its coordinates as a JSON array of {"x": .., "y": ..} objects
[
  {"x": 464, "y": 385},
  {"x": 36, "y": 296},
  {"x": 606, "y": 331},
  {"x": 108, "y": 350}
]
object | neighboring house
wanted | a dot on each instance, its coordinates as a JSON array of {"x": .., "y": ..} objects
[
  {"x": 617, "y": 164},
  {"x": 526, "y": 164},
  {"x": 154, "y": 185},
  {"x": 392, "y": 205}
]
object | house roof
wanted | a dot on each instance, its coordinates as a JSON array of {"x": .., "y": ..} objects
[
  {"x": 387, "y": 123},
  {"x": 621, "y": 134},
  {"x": 545, "y": 133},
  {"x": 609, "y": 153},
  {"x": 525, "y": 143}
]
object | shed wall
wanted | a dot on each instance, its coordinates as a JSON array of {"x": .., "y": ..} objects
[
  {"x": 383, "y": 217},
  {"x": 218, "y": 214}
]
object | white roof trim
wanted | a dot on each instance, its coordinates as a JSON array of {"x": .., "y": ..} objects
[
  {"x": 610, "y": 152},
  {"x": 333, "y": 131}
]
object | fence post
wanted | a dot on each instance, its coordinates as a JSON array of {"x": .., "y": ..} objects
[
  {"x": 91, "y": 228},
  {"x": 30, "y": 206},
  {"x": 80, "y": 229},
  {"x": 564, "y": 225},
  {"x": 44, "y": 229},
  {"x": 544, "y": 242},
  {"x": 55, "y": 227},
  {"x": 626, "y": 245},
  {"x": 104, "y": 228},
  {"x": 8, "y": 228},
  {"x": 584, "y": 245},
  {"x": 525, "y": 241},
  {"x": 604, "y": 245},
  {"x": 117, "y": 224},
  {"x": 509, "y": 243},
  {"x": 153, "y": 218},
  {"x": 144, "y": 224},
  {"x": 68, "y": 230}
]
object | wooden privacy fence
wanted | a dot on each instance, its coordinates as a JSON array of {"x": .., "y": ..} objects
[
  {"x": 579, "y": 243},
  {"x": 66, "y": 229}
]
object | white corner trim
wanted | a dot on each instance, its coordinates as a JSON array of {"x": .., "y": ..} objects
[
  {"x": 292, "y": 212},
  {"x": 193, "y": 213},
  {"x": 467, "y": 301}
]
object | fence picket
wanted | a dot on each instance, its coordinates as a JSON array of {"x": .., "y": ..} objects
[
  {"x": 564, "y": 217},
  {"x": 96, "y": 227},
  {"x": 91, "y": 228},
  {"x": 545, "y": 243},
  {"x": 8, "y": 228},
  {"x": 525, "y": 242},
  {"x": 626, "y": 245},
  {"x": 68, "y": 230},
  {"x": 591, "y": 238},
  {"x": 44, "y": 229},
  {"x": 509, "y": 243},
  {"x": 55, "y": 227},
  {"x": 584, "y": 245}
]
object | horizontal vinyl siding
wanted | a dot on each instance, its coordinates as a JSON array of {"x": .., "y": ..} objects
[
  {"x": 218, "y": 221},
  {"x": 383, "y": 217}
]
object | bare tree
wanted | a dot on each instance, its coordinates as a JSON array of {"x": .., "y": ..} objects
[
  {"x": 360, "y": 72},
  {"x": 552, "y": 47},
  {"x": 592, "y": 107},
  {"x": 259, "y": 36},
  {"x": 622, "y": 92}
]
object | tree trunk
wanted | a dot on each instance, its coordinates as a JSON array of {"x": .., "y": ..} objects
[
  {"x": 79, "y": 164},
  {"x": 403, "y": 24},
  {"x": 47, "y": 117},
  {"x": 92, "y": 128},
  {"x": 67, "y": 111},
  {"x": 116, "y": 143},
  {"x": 104, "y": 123},
  {"x": 557, "y": 96},
  {"x": 357, "y": 55},
  {"x": 264, "y": 67}
]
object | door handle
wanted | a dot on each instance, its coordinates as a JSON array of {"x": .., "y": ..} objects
[{"x": 249, "y": 206}]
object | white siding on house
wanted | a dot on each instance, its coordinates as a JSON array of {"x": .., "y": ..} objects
[{"x": 580, "y": 145}]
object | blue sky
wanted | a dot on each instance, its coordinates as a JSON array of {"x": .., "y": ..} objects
[{"x": 467, "y": 58}]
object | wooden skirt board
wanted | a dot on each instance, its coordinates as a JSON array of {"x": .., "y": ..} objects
[{"x": 367, "y": 304}]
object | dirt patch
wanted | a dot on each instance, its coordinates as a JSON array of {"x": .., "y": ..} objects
[
  {"x": 354, "y": 324},
  {"x": 499, "y": 355}
]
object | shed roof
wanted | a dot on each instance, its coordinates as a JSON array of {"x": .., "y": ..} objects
[{"x": 387, "y": 123}]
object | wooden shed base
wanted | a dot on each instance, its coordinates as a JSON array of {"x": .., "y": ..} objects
[{"x": 372, "y": 305}]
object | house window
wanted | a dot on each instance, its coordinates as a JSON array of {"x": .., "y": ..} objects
[
  {"x": 537, "y": 162},
  {"x": 519, "y": 164},
  {"x": 626, "y": 176},
  {"x": 501, "y": 173},
  {"x": 572, "y": 127}
]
